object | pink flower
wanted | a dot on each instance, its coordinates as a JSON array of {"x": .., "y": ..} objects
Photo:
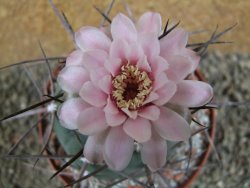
[{"x": 124, "y": 82}]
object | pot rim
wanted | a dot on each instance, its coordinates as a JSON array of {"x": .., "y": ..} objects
[{"x": 203, "y": 158}]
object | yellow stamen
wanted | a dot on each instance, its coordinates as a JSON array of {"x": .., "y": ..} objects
[{"x": 131, "y": 87}]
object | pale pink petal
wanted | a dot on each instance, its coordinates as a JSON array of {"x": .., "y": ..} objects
[
  {"x": 91, "y": 121},
  {"x": 143, "y": 64},
  {"x": 94, "y": 147},
  {"x": 118, "y": 149},
  {"x": 151, "y": 112},
  {"x": 70, "y": 110},
  {"x": 183, "y": 111},
  {"x": 158, "y": 65},
  {"x": 154, "y": 152},
  {"x": 115, "y": 119},
  {"x": 72, "y": 78},
  {"x": 123, "y": 28},
  {"x": 151, "y": 97},
  {"x": 119, "y": 49},
  {"x": 94, "y": 59},
  {"x": 135, "y": 52},
  {"x": 139, "y": 129},
  {"x": 106, "y": 30},
  {"x": 93, "y": 95},
  {"x": 150, "y": 45},
  {"x": 160, "y": 80},
  {"x": 113, "y": 65},
  {"x": 110, "y": 107},
  {"x": 131, "y": 114},
  {"x": 165, "y": 93},
  {"x": 174, "y": 43},
  {"x": 75, "y": 58},
  {"x": 97, "y": 74},
  {"x": 179, "y": 68},
  {"x": 191, "y": 93},
  {"x": 193, "y": 57},
  {"x": 105, "y": 84},
  {"x": 92, "y": 38},
  {"x": 150, "y": 22},
  {"x": 172, "y": 126}
]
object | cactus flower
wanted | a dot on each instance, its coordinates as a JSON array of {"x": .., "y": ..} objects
[{"x": 123, "y": 81}]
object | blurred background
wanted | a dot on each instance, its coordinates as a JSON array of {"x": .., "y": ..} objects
[
  {"x": 24, "y": 22},
  {"x": 226, "y": 66}
]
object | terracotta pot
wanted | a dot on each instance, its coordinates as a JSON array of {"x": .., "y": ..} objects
[
  {"x": 212, "y": 114},
  {"x": 200, "y": 162}
]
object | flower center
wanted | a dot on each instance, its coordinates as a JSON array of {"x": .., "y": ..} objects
[{"x": 131, "y": 87}]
